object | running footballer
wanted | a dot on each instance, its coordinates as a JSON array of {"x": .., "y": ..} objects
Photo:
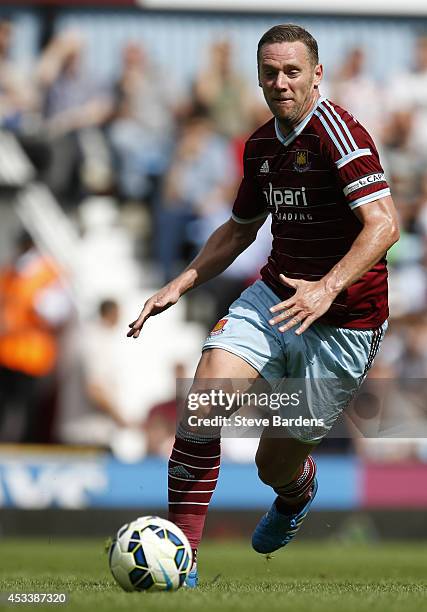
[{"x": 320, "y": 309}]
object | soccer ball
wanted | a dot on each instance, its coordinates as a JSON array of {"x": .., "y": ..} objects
[{"x": 150, "y": 553}]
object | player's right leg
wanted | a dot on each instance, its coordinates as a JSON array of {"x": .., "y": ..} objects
[
  {"x": 195, "y": 460},
  {"x": 241, "y": 346}
]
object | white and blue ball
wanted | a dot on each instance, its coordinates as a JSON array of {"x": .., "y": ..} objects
[{"x": 150, "y": 553}]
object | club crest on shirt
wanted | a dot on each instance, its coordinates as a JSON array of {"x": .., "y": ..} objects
[
  {"x": 218, "y": 328},
  {"x": 301, "y": 163}
]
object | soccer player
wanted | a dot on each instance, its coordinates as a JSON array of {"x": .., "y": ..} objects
[{"x": 320, "y": 309}]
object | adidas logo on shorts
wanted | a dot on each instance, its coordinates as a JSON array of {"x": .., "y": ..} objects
[{"x": 265, "y": 168}]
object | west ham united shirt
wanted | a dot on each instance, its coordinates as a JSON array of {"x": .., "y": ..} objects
[{"x": 311, "y": 181}]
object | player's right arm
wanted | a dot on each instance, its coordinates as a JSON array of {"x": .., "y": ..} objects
[{"x": 222, "y": 248}]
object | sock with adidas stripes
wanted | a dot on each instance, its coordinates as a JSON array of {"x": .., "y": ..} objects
[
  {"x": 293, "y": 496},
  {"x": 192, "y": 476}
]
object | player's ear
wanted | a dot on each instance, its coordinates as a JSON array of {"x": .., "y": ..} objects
[{"x": 318, "y": 74}]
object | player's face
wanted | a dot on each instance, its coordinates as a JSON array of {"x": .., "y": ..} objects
[{"x": 288, "y": 79}]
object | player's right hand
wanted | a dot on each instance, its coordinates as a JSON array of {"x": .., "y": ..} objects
[{"x": 162, "y": 300}]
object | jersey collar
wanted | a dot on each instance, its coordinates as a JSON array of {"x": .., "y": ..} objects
[{"x": 298, "y": 129}]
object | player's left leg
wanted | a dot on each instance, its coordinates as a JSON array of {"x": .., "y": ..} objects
[
  {"x": 285, "y": 464},
  {"x": 326, "y": 366}
]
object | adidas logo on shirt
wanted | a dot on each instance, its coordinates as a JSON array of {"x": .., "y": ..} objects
[
  {"x": 179, "y": 470},
  {"x": 265, "y": 168}
]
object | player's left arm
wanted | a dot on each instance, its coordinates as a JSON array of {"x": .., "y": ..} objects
[{"x": 312, "y": 299}]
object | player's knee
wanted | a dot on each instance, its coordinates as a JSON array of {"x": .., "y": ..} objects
[
  {"x": 201, "y": 403},
  {"x": 273, "y": 471},
  {"x": 264, "y": 475},
  {"x": 200, "y": 409},
  {"x": 267, "y": 469}
]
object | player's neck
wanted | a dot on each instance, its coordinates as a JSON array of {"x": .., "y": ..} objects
[{"x": 286, "y": 127}]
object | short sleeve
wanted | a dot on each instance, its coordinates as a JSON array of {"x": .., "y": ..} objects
[
  {"x": 354, "y": 157},
  {"x": 362, "y": 178},
  {"x": 250, "y": 203}
]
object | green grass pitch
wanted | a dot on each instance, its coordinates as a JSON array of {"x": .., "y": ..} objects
[{"x": 304, "y": 577}]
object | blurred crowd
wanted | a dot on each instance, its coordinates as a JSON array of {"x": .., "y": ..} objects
[{"x": 169, "y": 161}]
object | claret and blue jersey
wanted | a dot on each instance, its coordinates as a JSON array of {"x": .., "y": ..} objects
[{"x": 310, "y": 181}]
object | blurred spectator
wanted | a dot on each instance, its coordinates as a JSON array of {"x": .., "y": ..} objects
[
  {"x": 160, "y": 424},
  {"x": 199, "y": 183},
  {"x": 354, "y": 89},
  {"x": 394, "y": 429},
  {"x": 413, "y": 364},
  {"x": 100, "y": 362},
  {"x": 74, "y": 104},
  {"x": 17, "y": 94},
  {"x": 408, "y": 95},
  {"x": 421, "y": 217},
  {"x": 102, "y": 419},
  {"x": 223, "y": 92},
  {"x": 19, "y": 102},
  {"x": 405, "y": 158},
  {"x": 142, "y": 129},
  {"x": 402, "y": 159},
  {"x": 34, "y": 306}
]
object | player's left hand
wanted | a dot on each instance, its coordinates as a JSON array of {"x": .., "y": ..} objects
[{"x": 310, "y": 301}]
